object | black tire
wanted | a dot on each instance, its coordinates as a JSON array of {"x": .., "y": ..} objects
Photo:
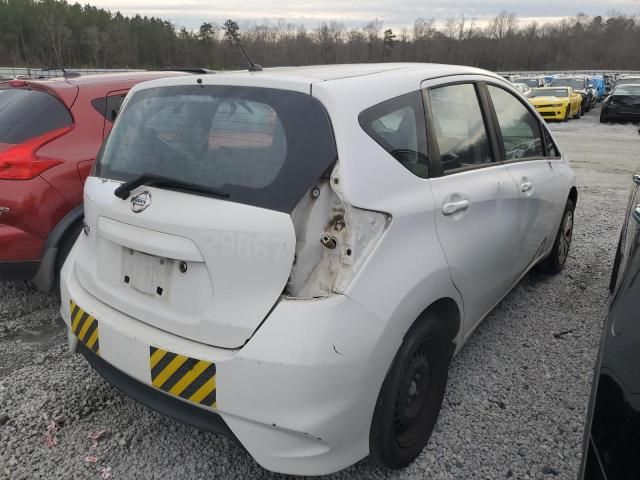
[
  {"x": 603, "y": 119},
  {"x": 578, "y": 114},
  {"x": 556, "y": 260},
  {"x": 566, "y": 115},
  {"x": 64, "y": 247},
  {"x": 582, "y": 109},
  {"x": 411, "y": 395}
]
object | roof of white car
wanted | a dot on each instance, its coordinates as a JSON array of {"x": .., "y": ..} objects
[{"x": 301, "y": 78}]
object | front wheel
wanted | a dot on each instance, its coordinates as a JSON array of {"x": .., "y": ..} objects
[
  {"x": 556, "y": 260},
  {"x": 578, "y": 114},
  {"x": 566, "y": 115},
  {"x": 411, "y": 396}
]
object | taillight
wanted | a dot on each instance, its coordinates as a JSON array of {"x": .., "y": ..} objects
[
  {"x": 22, "y": 162},
  {"x": 333, "y": 242}
]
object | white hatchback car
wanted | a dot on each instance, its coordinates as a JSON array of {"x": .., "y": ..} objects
[{"x": 292, "y": 257}]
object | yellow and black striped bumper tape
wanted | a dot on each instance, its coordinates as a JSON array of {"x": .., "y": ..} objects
[
  {"x": 184, "y": 377},
  {"x": 85, "y": 327}
]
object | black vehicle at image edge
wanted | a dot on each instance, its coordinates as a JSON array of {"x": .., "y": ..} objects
[
  {"x": 622, "y": 104},
  {"x": 611, "y": 448}
]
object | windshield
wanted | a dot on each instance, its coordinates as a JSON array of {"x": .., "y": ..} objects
[
  {"x": 549, "y": 92},
  {"x": 629, "y": 81},
  {"x": 627, "y": 90},
  {"x": 260, "y": 146},
  {"x": 530, "y": 82},
  {"x": 575, "y": 83}
]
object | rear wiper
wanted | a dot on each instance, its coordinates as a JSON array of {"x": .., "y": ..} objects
[{"x": 124, "y": 190}]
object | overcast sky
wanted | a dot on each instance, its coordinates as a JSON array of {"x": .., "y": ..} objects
[{"x": 394, "y": 13}]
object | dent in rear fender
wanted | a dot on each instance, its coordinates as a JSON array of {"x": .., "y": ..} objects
[{"x": 398, "y": 287}]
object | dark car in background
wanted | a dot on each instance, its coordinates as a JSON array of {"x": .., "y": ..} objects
[
  {"x": 623, "y": 104},
  {"x": 612, "y": 437},
  {"x": 627, "y": 80},
  {"x": 580, "y": 84},
  {"x": 50, "y": 134}
]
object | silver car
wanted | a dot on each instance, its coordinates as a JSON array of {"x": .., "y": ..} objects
[{"x": 291, "y": 257}]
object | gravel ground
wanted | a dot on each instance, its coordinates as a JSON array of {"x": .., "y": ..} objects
[{"x": 514, "y": 407}]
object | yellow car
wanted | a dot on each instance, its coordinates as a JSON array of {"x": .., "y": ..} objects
[{"x": 556, "y": 103}]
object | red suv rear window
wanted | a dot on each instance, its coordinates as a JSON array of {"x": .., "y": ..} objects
[{"x": 25, "y": 114}]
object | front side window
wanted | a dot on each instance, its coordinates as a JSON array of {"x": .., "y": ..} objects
[
  {"x": 398, "y": 126},
  {"x": 459, "y": 127},
  {"x": 551, "y": 146},
  {"x": 520, "y": 129},
  {"x": 260, "y": 146}
]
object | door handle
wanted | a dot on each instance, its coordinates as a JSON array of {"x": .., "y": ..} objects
[
  {"x": 453, "y": 207},
  {"x": 526, "y": 187}
]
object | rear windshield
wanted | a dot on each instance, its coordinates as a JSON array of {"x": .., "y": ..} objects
[
  {"x": 263, "y": 147},
  {"x": 25, "y": 114},
  {"x": 549, "y": 92}
]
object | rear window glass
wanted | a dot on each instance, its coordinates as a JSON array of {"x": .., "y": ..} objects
[
  {"x": 398, "y": 126},
  {"x": 263, "y": 147},
  {"x": 109, "y": 106},
  {"x": 25, "y": 114}
]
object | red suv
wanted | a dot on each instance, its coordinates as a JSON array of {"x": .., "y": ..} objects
[{"x": 50, "y": 134}]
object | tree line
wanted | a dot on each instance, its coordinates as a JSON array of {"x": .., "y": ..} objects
[{"x": 53, "y": 33}]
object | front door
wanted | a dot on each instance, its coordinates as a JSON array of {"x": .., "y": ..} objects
[{"x": 539, "y": 184}]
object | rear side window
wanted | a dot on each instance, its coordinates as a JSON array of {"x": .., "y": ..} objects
[
  {"x": 25, "y": 114},
  {"x": 398, "y": 126},
  {"x": 109, "y": 106},
  {"x": 519, "y": 127},
  {"x": 263, "y": 147},
  {"x": 459, "y": 127}
]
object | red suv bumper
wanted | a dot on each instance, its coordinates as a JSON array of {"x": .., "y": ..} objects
[{"x": 29, "y": 209}]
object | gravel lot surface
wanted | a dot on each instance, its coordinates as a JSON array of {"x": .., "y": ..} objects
[{"x": 515, "y": 402}]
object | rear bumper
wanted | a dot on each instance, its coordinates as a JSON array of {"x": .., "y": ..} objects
[
  {"x": 299, "y": 396},
  {"x": 156, "y": 400},
  {"x": 18, "y": 270}
]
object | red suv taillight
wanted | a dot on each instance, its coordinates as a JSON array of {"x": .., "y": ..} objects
[{"x": 22, "y": 162}]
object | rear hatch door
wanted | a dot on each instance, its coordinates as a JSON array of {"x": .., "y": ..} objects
[{"x": 205, "y": 266}]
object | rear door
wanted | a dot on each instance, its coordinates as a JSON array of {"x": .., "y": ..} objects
[
  {"x": 203, "y": 266},
  {"x": 541, "y": 192},
  {"x": 476, "y": 198}
]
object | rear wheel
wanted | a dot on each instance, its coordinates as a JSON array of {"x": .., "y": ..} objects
[
  {"x": 411, "y": 396},
  {"x": 556, "y": 260}
]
